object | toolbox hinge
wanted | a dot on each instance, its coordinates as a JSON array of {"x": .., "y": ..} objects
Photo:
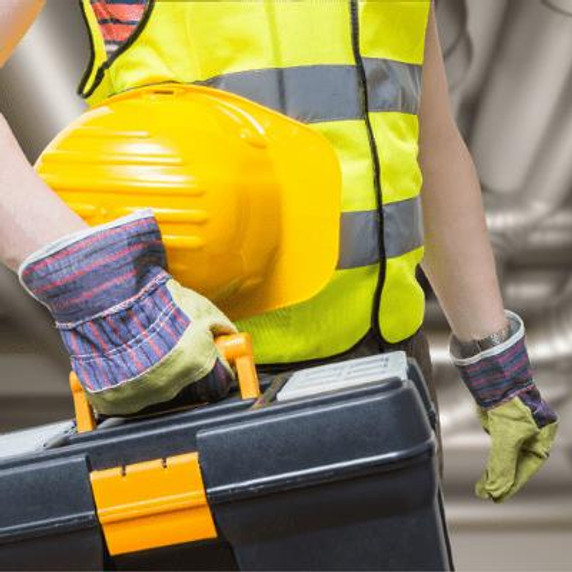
[{"x": 151, "y": 504}]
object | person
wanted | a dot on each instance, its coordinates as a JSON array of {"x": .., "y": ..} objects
[{"x": 370, "y": 77}]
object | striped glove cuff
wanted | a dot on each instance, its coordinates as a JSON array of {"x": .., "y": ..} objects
[
  {"x": 89, "y": 273},
  {"x": 502, "y": 372},
  {"x": 499, "y": 373}
]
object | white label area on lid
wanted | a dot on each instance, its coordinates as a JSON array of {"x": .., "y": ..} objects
[{"x": 344, "y": 375}]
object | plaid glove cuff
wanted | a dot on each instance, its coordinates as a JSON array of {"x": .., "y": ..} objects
[
  {"x": 497, "y": 374},
  {"x": 107, "y": 289},
  {"x": 90, "y": 273}
]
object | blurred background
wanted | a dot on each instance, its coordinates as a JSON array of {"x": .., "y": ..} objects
[{"x": 509, "y": 64}]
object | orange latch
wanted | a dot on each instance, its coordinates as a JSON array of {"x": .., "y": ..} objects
[
  {"x": 152, "y": 504},
  {"x": 237, "y": 350}
]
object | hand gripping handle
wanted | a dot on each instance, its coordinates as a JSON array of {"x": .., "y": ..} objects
[{"x": 236, "y": 349}]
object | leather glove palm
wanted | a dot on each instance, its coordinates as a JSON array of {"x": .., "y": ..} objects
[
  {"x": 520, "y": 423},
  {"x": 135, "y": 336}
]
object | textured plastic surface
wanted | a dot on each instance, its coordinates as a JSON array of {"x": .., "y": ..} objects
[
  {"x": 343, "y": 480},
  {"x": 242, "y": 194},
  {"x": 344, "y": 375},
  {"x": 48, "y": 520},
  {"x": 358, "y": 494}
]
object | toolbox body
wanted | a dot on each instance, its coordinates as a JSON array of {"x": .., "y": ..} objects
[{"x": 333, "y": 481}]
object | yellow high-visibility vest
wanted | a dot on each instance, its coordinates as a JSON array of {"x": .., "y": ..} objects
[{"x": 352, "y": 70}]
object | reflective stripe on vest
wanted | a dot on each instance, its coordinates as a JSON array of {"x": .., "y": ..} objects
[
  {"x": 359, "y": 241},
  {"x": 352, "y": 70},
  {"x": 297, "y": 92}
]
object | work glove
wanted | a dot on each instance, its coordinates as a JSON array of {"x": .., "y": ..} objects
[
  {"x": 520, "y": 423},
  {"x": 135, "y": 336}
]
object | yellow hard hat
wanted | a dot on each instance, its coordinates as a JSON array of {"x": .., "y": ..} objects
[{"x": 248, "y": 200}]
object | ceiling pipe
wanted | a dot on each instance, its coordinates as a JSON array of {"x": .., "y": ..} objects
[
  {"x": 549, "y": 245},
  {"x": 549, "y": 338},
  {"x": 485, "y": 20},
  {"x": 510, "y": 220},
  {"x": 455, "y": 42},
  {"x": 526, "y": 291},
  {"x": 527, "y": 80}
]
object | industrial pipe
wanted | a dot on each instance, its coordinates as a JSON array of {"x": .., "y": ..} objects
[
  {"x": 549, "y": 245},
  {"x": 456, "y": 44},
  {"x": 511, "y": 220},
  {"x": 38, "y": 84},
  {"x": 526, "y": 82}
]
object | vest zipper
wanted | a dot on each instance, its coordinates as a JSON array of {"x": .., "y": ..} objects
[{"x": 355, "y": 31}]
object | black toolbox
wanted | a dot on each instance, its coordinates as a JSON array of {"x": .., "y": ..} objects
[{"x": 334, "y": 480}]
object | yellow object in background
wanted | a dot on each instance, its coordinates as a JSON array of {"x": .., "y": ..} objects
[{"x": 248, "y": 200}]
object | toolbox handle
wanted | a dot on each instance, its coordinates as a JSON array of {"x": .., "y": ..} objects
[
  {"x": 236, "y": 349},
  {"x": 84, "y": 417}
]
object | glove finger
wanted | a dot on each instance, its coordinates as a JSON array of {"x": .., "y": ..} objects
[
  {"x": 484, "y": 419},
  {"x": 500, "y": 470},
  {"x": 509, "y": 430},
  {"x": 480, "y": 487},
  {"x": 220, "y": 325},
  {"x": 214, "y": 386},
  {"x": 535, "y": 452}
]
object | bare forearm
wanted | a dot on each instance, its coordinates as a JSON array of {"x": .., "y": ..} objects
[
  {"x": 459, "y": 261},
  {"x": 31, "y": 214}
]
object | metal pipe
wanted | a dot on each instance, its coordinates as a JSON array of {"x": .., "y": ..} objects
[
  {"x": 549, "y": 338},
  {"x": 526, "y": 291},
  {"x": 37, "y": 85},
  {"x": 485, "y": 20},
  {"x": 456, "y": 44},
  {"x": 526, "y": 82},
  {"x": 549, "y": 245},
  {"x": 509, "y": 220}
]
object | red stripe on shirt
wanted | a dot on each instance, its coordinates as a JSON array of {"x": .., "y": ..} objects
[
  {"x": 117, "y": 32},
  {"x": 102, "y": 10}
]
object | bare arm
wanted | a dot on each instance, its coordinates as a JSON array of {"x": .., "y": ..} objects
[
  {"x": 459, "y": 261},
  {"x": 31, "y": 215}
]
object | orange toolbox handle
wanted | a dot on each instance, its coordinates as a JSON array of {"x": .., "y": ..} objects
[{"x": 236, "y": 349}]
